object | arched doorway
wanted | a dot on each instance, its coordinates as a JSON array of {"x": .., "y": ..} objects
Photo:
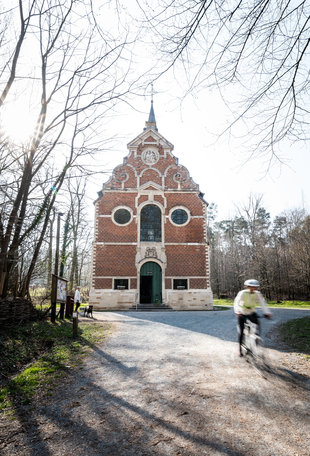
[{"x": 150, "y": 283}]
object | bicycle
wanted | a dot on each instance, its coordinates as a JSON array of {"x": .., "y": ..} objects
[{"x": 252, "y": 348}]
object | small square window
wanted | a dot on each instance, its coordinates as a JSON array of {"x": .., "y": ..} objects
[
  {"x": 180, "y": 284},
  {"x": 120, "y": 284}
]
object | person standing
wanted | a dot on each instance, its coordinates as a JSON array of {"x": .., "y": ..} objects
[
  {"x": 245, "y": 304},
  {"x": 77, "y": 298}
]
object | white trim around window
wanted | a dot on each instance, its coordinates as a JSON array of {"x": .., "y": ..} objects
[
  {"x": 127, "y": 209},
  {"x": 184, "y": 209}
]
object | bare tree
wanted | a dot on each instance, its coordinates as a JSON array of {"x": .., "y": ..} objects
[
  {"x": 251, "y": 245},
  {"x": 71, "y": 73},
  {"x": 79, "y": 230},
  {"x": 262, "y": 45}
]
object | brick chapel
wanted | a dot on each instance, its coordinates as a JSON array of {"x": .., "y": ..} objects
[{"x": 150, "y": 243}]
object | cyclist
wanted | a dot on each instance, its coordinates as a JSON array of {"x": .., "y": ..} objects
[{"x": 245, "y": 304}]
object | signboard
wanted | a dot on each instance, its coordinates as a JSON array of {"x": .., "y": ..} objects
[
  {"x": 59, "y": 289},
  {"x": 61, "y": 295}
]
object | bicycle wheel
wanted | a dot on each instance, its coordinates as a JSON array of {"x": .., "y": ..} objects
[{"x": 258, "y": 350}]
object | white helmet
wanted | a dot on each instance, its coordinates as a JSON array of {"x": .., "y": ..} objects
[{"x": 251, "y": 283}]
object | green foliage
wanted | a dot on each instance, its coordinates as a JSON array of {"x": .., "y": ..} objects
[
  {"x": 296, "y": 333},
  {"x": 40, "y": 352}
]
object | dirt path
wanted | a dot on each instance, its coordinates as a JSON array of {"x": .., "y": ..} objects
[{"x": 170, "y": 384}]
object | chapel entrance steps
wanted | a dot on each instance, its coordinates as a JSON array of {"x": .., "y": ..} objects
[{"x": 144, "y": 307}]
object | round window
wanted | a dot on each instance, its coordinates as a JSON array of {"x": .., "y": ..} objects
[
  {"x": 179, "y": 216},
  {"x": 122, "y": 216}
]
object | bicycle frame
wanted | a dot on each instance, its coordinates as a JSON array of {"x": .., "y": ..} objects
[
  {"x": 253, "y": 346},
  {"x": 250, "y": 336}
]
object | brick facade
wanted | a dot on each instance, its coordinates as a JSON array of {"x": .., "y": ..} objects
[{"x": 151, "y": 231}]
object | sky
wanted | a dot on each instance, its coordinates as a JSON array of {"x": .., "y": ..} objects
[{"x": 221, "y": 166}]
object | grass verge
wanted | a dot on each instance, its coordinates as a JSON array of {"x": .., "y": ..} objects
[
  {"x": 296, "y": 334},
  {"x": 290, "y": 304},
  {"x": 35, "y": 355},
  {"x": 223, "y": 302},
  {"x": 272, "y": 304}
]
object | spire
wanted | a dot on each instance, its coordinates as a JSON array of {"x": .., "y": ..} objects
[
  {"x": 151, "y": 123},
  {"x": 152, "y": 114}
]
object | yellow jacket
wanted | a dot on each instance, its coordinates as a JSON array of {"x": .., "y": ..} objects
[{"x": 246, "y": 302}]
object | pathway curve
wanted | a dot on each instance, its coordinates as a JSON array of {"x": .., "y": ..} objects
[{"x": 170, "y": 383}]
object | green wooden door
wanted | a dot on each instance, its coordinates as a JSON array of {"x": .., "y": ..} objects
[{"x": 150, "y": 283}]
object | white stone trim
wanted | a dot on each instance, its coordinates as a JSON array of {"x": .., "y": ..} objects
[
  {"x": 146, "y": 242},
  {"x": 103, "y": 299},
  {"x": 157, "y": 189},
  {"x": 141, "y": 138},
  {"x": 115, "y": 243},
  {"x": 150, "y": 168},
  {"x": 207, "y": 253},
  {"x": 162, "y": 210},
  {"x": 198, "y": 299},
  {"x": 135, "y": 189},
  {"x": 109, "y": 215},
  {"x": 162, "y": 266},
  {"x": 185, "y": 243},
  {"x": 186, "y": 277},
  {"x": 115, "y": 277},
  {"x": 150, "y": 155}
]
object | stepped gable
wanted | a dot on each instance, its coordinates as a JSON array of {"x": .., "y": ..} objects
[{"x": 150, "y": 159}]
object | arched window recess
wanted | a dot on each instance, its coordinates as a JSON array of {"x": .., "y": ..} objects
[{"x": 150, "y": 223}]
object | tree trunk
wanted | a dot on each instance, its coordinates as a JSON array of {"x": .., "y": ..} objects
[
  {"x": 50, "y": 254},
  {"x": 63, "y": 255},
  {"x": 21, "y": 196}
]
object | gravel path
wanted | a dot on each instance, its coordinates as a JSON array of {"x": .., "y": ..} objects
[{"x": 171, "y": 383}]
